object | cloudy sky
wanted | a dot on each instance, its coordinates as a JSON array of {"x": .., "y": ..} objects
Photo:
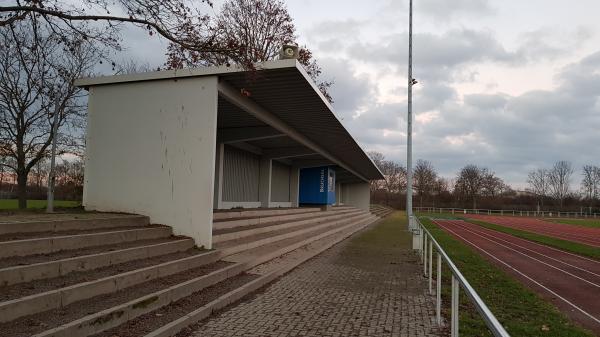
[{"x": 511, "y": 85}]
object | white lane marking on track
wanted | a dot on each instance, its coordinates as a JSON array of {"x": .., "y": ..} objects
[
  {"x": 480, "y": 231},
  {"x": 538, "y": 260},
  {"x": 557, "y": 233},
  {"x": 522, "y": 274},
  {"x": 582, "y": 257}
]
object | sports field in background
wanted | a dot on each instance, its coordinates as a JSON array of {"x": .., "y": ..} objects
[{"x": 7, "y": 204}]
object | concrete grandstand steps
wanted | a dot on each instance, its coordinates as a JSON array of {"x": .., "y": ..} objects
[
  {"x": 99, "y": 313},
  {"x": 262, "y": 265},
  {"x": 43, "y": 266},
  {"x": 255, "y": 240},
  {"x": 267, "y": 224},
  {"x": 380, "y": 210},
  {"x": 262, "y": 253},
  {"x": 160, "y": 285},
  {"x": 69, "y": 222},
  {"x": 38, "y": 296},
  {"x": 220, "y": 215},
  {"x": 54, "y": 243},
  {"x": 235, "y": 223}
]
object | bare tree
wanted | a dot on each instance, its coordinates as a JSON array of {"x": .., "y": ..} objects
[
  {"x": 132, "y": 66},
  {"x": 470, "y": 181},
  {"x": 559, "y": 179},
  {"x": 179, "y": 21},
  {"x": 378, "y": 158},
  {"x": 37, "y": 72},
  {"x": 69, "y": 179},
  {"x": 257, "y": 29},
  {"x": 539, "y": 184},
  {"x": 492, "y": 186},
  {"x": 424, "y": 179},
  {"x": 590, "y": 184}
]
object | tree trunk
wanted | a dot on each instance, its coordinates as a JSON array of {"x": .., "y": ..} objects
[{"x": 22, "y": 189}]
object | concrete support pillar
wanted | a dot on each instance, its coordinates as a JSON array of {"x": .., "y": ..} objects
[
  {"x": 294, "y": 186},
  {"x": 357, "y": 195},
  {"x": 264, "y": 187},
  {"x": 338, "y": 193},
  {"x": 218, "y": 193}
]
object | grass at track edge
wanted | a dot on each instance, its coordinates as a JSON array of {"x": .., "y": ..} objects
[
  {"x": 569, "y": 246},
  {"x": 520, "y": 310},
  {"x": 590, "y": 223}
]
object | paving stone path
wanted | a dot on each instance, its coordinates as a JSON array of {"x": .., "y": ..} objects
[{"x": 352, "y": 289}]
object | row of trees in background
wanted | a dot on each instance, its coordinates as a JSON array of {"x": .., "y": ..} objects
[
  {"x": 479, "y": 187},
  {"x": 555, "y": 183},
  {"x": 68, "y": 181}
]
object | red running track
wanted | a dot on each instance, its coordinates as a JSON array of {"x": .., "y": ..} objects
[
  {"x": 570, "y": 281},
  {"x": 580, "y": 234}
]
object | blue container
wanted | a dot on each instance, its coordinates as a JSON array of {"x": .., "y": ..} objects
[{"x": 317, "y": 186}]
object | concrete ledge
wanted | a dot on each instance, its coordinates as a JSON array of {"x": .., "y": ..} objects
[
  {"x": 273, "y": 218},
  {"x": 54, "y": 299},
  {"x": 73, "y": 224},
  {"x": 269, "y": 256},
  {"x": 248, "y": 232},
  {"x": 120, "y": 314},
  {"x": 262, "y": 212},
  {"x": 256, "y": 243},
  {"x": 58, "y": 243},
  {"x": 195, "y": 316},
  {"x": 112, "y": 317},
  {"x": 43, "y": 270}
]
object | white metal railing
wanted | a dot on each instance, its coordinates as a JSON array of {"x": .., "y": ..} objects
[
  {"x": 427, "y": 244},
  {"x": 557, "y": 214}
]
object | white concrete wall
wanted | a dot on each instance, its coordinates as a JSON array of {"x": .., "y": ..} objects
[
  {"x": 151, "y": 151},
  {"x": 357, "y": 195}
]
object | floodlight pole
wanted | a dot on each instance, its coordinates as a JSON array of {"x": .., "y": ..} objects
[{"x": 409, "y": 173}]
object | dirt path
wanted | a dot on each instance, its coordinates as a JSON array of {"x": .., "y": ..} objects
[{"x": 569, "y": 281}]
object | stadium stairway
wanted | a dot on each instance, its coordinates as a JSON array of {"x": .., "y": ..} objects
[
  {"x": 380, "y": 210},
  {"x": 118, "y": 275}
]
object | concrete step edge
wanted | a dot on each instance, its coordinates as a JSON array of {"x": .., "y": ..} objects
[
  {"x": 248, "y": 232},
  {"x": 57, "y": 243},
  {"x": 117, "y": 315},
  {"x": 269, "y": 256},
  {"x": 43, "y": 270},
  {"x": 253, "y": 244},
  {"x": 261, "y": 212},
  {"x": 199, "y": 314},
  {"x": 220, "y": 225},
  {"x": 57, "y": 298},
  {"x": 73, "y": 224}
]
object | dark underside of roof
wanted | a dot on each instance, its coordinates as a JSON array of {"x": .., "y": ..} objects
[{"x": 287, "y": 94}]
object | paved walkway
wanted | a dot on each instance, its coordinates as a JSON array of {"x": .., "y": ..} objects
[{"x": 360, "y": 287}]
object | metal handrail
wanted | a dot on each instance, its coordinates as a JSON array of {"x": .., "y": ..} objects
[
  {"x": 458, "y": 280},
  {"x": 507, "y": 212}
]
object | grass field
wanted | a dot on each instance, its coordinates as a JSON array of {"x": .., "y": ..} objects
[
  {"x": 593, "y": 223},
  {"x": 520, "y": 310},
  {"x": 9, "y": 204}
]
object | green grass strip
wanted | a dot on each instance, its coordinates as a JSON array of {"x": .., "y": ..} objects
[
  {"x": 569, "y": 246},
  {"x": 592, "y": 223},
  {"x": 521, "y": 311},
  {"x": 8, "y": 204}
]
